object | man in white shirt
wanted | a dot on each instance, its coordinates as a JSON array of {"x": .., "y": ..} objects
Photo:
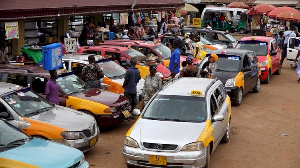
[
  {"x": 188, "y": 44},
  {"x": 286, "y": 35}
]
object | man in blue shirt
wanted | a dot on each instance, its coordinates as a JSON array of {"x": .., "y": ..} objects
[
  {"x": 132, "y": 77},
  {"x": 175, "y": 60}
]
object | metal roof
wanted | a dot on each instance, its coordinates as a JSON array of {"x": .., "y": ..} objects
[
  {"x": 184, "y": 86},
  {"x": 278, "y": 2},
  {"x": 7, "y": 87}
]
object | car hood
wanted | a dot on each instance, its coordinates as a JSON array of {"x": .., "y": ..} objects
[
  {"x": 44, "y": 154},
  {"x": 65, "y": 118},
  {"x": 109, "y": 99},
  {"x": 139, "y": 85},
  {"x": 166, "y": 132},
  {"x": 164, "y": 70},
  {"x": 261, "y": 58},
  {"x": 223, "y": 76}
]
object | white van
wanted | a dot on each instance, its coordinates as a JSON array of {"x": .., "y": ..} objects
[
  {"x": 236, "y": 12},
  {"x": 292, "y": 50}
]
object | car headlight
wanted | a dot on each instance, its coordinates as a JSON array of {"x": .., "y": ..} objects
[
  {"x": 264, "y": 63},
  {"x": 193, "y": 146},
  {"x": 230, "y": 82},
  {"x": 160, "y": 74},
  {"x": 72, "y": 135},
  {"x": 224, "y": 46},
  {"x": 113, "y": 109},
  {"x": 131, "y": 142}
]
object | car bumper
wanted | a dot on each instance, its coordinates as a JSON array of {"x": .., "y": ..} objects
[
  {"x": 85, "y": 164},
  {"x": 264, "y": 73},
  {"x": 138, "y": 157},
  {"x": 110, "y": 120},
  {"x": 232, "y": 92},
  {"x": 84, "y": 144}
]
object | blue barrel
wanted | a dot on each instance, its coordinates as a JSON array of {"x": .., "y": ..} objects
[
  {"x": 52, "y": 56},
  {"x": 111, "y": 35}
]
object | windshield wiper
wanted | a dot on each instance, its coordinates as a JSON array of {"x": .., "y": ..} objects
[
  {"x": 38, "y": 111},
  {"x": 15, "y": 143}
]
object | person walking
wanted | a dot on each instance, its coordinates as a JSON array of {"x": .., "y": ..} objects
[
  {"x": 152, "y": 84},
  {"x": 51, "y": 89},
  {"x": 163, "y": 28},
  {"x": 197, "y": 49},
  {"x": 286, "y": 35},
  {"x": 175, "y": 59},
  {"x": 209, "y": 67},
  {"x": 132, "y": 77},
  {"x": 92, "y": 73},
  {"x": 188, "y": 44},
  {"x": 297, "y": 60},
  {"x": 190, "y": 70}
]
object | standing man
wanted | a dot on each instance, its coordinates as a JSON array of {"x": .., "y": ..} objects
[
  {"x": 175, "y": 59},
  {"x": 51, "y": 90},
  {"x": 188, "y": 44},
  {"x": 92, "y": 73},
  {"x": 3, "y": 54},
  {"x": 132, "y": 77},
  {"x": 288, "y": 33},
  {"x": 197, "y": 49},
  {"x": 163, "y": 28}
]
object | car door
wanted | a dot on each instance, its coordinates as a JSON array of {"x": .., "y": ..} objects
[
  {"x": 254, "y": 68},
  {"x": 274, "y": 59},
  {"x": 247, "y": 74},
  {"x": 13, "y": 116},
  {"x": 292, "y": 50}
]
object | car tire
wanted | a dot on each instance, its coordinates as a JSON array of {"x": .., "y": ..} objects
[
  {"x": 207, "y": 164},
  {"x": 266, "y": 81},
  {"x": 257, "y": 86},
  {"x": 278, "y": 71},
  {"x": 226, "y": 136},
  {"x": 242, "y": 31},
  {"x": 238, "y": 97}
]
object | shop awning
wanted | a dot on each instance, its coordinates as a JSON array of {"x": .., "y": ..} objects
[
  {"x": 278, "y": 2},
  {"x": 190, "y": 8}
]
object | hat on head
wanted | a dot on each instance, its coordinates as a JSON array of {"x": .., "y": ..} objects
[
  {"x": 214, "y": 56},
  {"x": 189, "y": 60}
]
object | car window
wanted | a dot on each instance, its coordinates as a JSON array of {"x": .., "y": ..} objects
[
  {"x": 163, "y": 50},
  {"x": 259, "y": 47},
  {"x": 294, "y": 43},
  {"x": 39, "y": 84},
  {"x": 213, "y": 105},
  {"x": 109, "y": 54},
  {"x": 246, "y": 62},
  {"x": 134, "y": 53},
  {"x": 274, "y": 42},
  {"x": 222, "y": 37},
  {"x": 71, "y": 83},
  {"x": 15, "y": 79},
  {"x": 252, "y": 58},
  {"x": 220, "y": 95},
  {"x": 92, "y": 52},
  {"x": 230, "y": 63},
  {"x": 3, "y": 108}
]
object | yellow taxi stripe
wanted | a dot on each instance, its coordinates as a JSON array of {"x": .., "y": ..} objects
[
  {"x": 9, "y": 163},
  {"x": 206, "y": 136},
  {"x": 239, "y": 80},
  {"x": 269, "y": 62},
  {"x": 84, "y": 104},
  {"x": 228, "y": 102},
  {"x": 130, "y": 129}
]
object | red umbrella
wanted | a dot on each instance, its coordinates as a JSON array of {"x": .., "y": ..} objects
[
  {"x": 289, "y": 15},
  {"x": 279, "y": 10},
  {"x": 183, "y": 12},
  {"x": 238, "y": 5},
  {"x": 260, "y": 9}
]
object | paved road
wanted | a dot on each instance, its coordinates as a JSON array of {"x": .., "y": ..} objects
[{"x": 265, "y": 131}]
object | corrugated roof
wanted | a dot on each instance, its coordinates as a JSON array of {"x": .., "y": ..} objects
[{"x": 278, "y": 2}]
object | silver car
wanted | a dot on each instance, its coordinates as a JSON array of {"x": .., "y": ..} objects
[{"x": 180, "y": 127}]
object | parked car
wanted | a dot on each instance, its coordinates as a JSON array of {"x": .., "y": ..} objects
[
  {"x": 123, "y": 56},
  {"x": 292, "y": 50},
  {"x": 214, "y": 36},
  {"x": 108, "y": 108},
  {"x": 186, "y": 125},
  {"x": 268, "y": 54},
  {"x": 37, "y": 117},
  {"x": 239, "y": 71},
  {"x": 17, "y": 150}
]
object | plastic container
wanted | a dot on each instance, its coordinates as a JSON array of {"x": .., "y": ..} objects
[
  {"x": 111, "y": 35},
  {"x": 52, "y": 56}
]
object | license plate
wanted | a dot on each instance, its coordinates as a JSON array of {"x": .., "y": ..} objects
[
  {"x": 126, "y": 113},
  {"x": 93, "y": 141},
  {"x": 157, "y": 160}
]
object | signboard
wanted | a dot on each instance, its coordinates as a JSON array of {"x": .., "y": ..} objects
[
  {"x": 52, "y": 56},
  {"x": 71, "y": 45},
  {"x": 197, "y": 22},
  {"x": 123, "y": 18},
  {"x": 12, "y": 30}
]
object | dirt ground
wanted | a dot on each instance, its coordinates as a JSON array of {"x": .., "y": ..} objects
[{"x": 265, "y": 131}]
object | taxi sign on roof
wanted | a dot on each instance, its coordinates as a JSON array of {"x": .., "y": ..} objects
[{"x": 196, "y": 93}]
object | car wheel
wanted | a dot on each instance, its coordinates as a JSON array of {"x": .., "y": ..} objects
[
  {"x": 207, "y": 157},
  {"x": 238, "y": 97},
  {"x": 278, "y": 72},
  {"x": 268, "y": 77},
  {"x": 257, "y": 86},
  {"x": 226, "y": 136},
  {"x": 242, "y": 31}
]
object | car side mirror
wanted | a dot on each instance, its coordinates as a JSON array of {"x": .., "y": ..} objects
[
  {"x": 218, "y": 118},
  {"x": 248, "y": 68},
  {"x": 136, "y": 112},
  {"x": 273, "y": 53},
  {"x": 5, "y": 115}
]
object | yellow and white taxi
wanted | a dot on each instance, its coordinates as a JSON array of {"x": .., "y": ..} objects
[{"x": 180, "y": 126}]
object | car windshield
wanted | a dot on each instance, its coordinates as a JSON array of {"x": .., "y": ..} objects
[
  {"x": 176, "y": 108},
  {"x": 133, "y": 53},
  {"x": 229, "y": 63},
  {"x": 163, "y": 50},
  {"x": 71, "y": 83},
  {"x": 111, "y": 69},
  {"x": 27, "y": 103},
  {"x": 230, "y": 38},
  {"x": 10, "y": 137},
  {"x": 259, "y": 47},
  {"x": 205, "y": 42}
]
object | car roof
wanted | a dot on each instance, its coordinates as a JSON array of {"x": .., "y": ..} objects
[
  {"x": 231, "y": 51},
  {"x": 184, "y": 86},
  {"x": 131, "y": 42},
  {"x": 259, "y": 38},
  {"x": 7, "y": 87},
  {"x": 105, "y": 47},
  {"x": 83, "y": 57}
]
